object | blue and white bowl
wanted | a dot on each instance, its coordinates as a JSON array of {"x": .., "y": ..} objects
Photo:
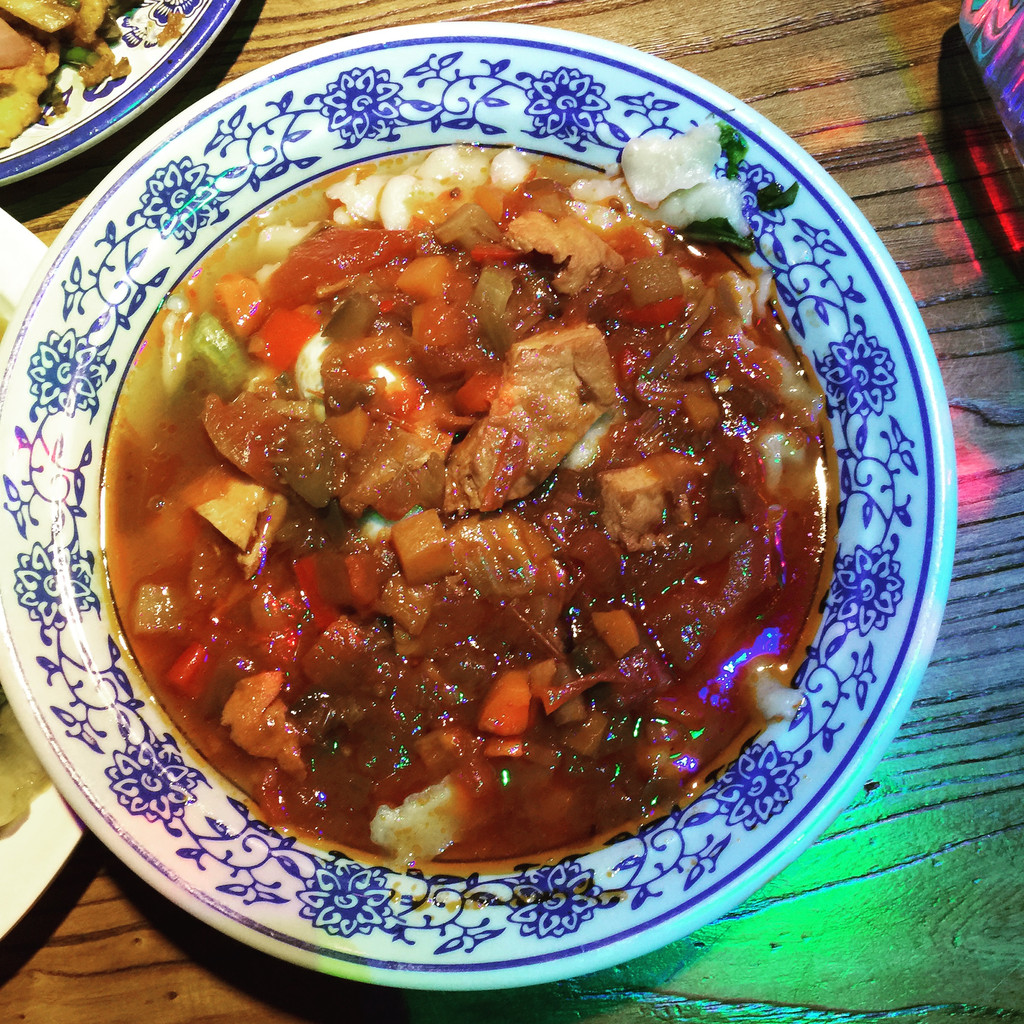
[{"x": 143, "y": 789}]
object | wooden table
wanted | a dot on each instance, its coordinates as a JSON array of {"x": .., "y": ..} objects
[{"x": 912, "y": 904}]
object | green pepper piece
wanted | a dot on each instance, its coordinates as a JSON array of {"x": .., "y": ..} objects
[
  {"x": 79, "y": 56},
  {"x": 222, "y": 356}
]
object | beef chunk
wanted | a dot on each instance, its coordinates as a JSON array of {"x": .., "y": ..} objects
[
  {"x": 554, "y": 387},
  {"x": 257, "y": 718},
  {"x": 253, "y": 431},
  {"x": 393, "y": 472},
  {"x": 504, "y": 556},
  {"x": 569, "y": 241},
  {"x": 640, "y": 503}
]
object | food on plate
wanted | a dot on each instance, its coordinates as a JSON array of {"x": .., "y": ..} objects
[
  {"x": 37, "y": 37},
  {"x": 459, "y": 508},
  {"x": 21, "y": 774}
]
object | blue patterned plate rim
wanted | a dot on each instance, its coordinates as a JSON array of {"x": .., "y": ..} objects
[
  {"x": 583, "y": 947},
  {"x": 116, "y": 103}
]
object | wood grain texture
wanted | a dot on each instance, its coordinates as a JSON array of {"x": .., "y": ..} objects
[{"x": 911, "y": 907}]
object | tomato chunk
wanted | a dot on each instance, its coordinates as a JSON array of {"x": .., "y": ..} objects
[
  {"x": 282, "y": 337},
  {"x": 186, "y": 674},
  {"x": 240, "y": 301},
  {"x": 327, "y": 259}
]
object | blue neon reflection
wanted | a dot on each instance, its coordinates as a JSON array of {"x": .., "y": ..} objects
[{"x": 716, "y": 691}]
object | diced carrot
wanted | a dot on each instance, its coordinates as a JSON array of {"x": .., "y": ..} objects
[
  {"x": 618, "y": 630},
  {"x": 186, "y": 675},
  {"x": 506, "y": 708},
  {"x": 495, "y": 252},
  {"x": 423, "y": 547},
  {"x": 427, "y": 277},
  {"x": 362, "y": 577},
  {"x": 240, "y": 303},
  {"x": 476, "y": 395},
  {"x": 491, "y": 198},
  {"x": 503, "y": 746},
  {"x": 350, "y": 428},
  {"x": 655, "y": 314},
  {"x": 283, "y": 335},
  {"x": 418, "y": 224}
]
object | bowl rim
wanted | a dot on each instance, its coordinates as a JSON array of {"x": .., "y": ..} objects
[{"x": 929, "y": 601}]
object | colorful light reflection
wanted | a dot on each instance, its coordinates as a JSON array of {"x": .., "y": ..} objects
[
  {"x": 994, "y": 30},
  {"x": 716, "y": 691}
]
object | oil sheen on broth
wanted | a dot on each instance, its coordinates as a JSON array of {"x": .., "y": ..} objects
[{"x": 456, "y": 509}]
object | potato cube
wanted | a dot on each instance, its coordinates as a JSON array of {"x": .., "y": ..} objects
[
  {"x": 232, "y": 505},
  {"x": 618, "y": 630},
  {"x": 423, "y": 547}
]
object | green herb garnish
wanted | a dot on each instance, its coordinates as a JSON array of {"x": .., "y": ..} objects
[
  {"x": 720, "y": 231},
  {"x": 775, "y": 197},
  {"x": 734, "y": 146}
]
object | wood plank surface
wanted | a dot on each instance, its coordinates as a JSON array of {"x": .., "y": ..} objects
[{"x": 911, "y": 907}]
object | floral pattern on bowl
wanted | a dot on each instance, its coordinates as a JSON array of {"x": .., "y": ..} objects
[{"x": 151, "y": 797}]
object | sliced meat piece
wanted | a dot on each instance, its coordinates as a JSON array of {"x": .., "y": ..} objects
[
  {"x": 569, "y": 241},
  {"x": 346, "y": 655},
  {"x": 487, "y": 468},
  {"x": 504, "y": 557},
  {"x": 394, "y": 472},
  {"x": 16, "y": 50},
  {"x": 639, "y": 503},
  {"x": 257, "y": 720},
  {"x": 554, "y": 387},
  {"x": 251, "y": 431}
]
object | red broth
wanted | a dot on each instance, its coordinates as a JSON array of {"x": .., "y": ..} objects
[{"x": 385, "y": 603}]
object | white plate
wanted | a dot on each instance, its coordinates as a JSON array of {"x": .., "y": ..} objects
[
  {"x": 151, "y": 797},
  {"x": 93, "y": 114},
  {"x": 33, "y": 849}
]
